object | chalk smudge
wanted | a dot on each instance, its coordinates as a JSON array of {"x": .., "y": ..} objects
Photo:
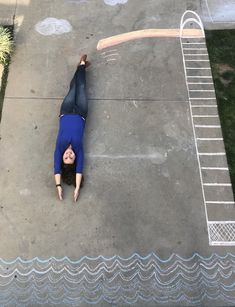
[
  {"x": 114, "y": 2},
  {"x": 50, "y": 26},
  {"x": 25, "y": 192}
]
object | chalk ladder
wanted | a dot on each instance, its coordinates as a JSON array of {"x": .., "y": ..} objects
[{"x": 213, "y": 168}]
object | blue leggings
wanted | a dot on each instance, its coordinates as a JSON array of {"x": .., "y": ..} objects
[{"x": 75, "y": 102}]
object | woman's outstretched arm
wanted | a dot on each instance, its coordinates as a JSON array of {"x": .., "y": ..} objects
[
  {"x": 58, "y": 186},
  {"x": 78, "y": 183},
  {"x": 79, "y": 171}
]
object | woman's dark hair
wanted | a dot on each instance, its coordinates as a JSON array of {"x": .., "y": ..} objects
[{"x": 68, "y": 174}]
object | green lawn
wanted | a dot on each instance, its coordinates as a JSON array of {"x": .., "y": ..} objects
[
  {"x": 5, "y": 73},
  {"x": 221, "y": 48}
]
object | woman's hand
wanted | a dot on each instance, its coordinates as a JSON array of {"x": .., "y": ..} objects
[
  {"x": 76, "y": 193},
  {"x": 60, "y": 192}
]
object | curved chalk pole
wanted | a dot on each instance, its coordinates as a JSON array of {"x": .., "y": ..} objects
[
  {"x": 196, "y": 19},
  {"x": 147, "y": 33}
]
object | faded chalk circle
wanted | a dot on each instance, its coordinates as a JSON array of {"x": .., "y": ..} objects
[
  {"x": 114, "y": 2},
  {"x": 50, "y": 26}
]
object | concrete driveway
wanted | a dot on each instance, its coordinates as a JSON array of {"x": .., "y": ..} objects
[{"x": 143, "y": 184}]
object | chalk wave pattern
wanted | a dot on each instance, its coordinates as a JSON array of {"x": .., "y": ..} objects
[
  {"x": 115, "y": 2},
  {"x": 175, "y": 280}
]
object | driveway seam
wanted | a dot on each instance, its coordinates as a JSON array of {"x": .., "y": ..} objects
[{"x": 90, "y": 99}]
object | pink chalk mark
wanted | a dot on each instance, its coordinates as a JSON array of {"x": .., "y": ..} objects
[{"x": 147, "y": 33}]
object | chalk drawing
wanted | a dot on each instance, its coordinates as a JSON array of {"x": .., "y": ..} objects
[
  {"x": 221, "y": 202},
  {"x": 211, "y": 153},
  {"x": 53, "y": 26},
  {"x": 115, "y": 2},
  {"x": 206, "y": 116},
  {"x": 146, "y": 33},
  {"x": 209, "y": 184},
  {"x": 216, "y": 168},
  {"x": 204, "y": 105},
  {"x": 199, "y": 98},
  {"x": 116, "y": 280},
  {"x": 110, "y": 55},
  {"x": 109, "y": 51},
  {"x": 135, "y": 104},
  {"x": 210, "y": 139},
  {"x": 219, "y": 232}
]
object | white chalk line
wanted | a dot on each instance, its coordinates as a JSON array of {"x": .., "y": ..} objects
[
  {"x": 198, "y": 37},
  {"x": 197, "y": 60},
  {"x": 203, "y": 77},
  {"x": 217, "y": 184},
  {"x": 215, "y": 168},
  {"x": 108, "y": 51},
  {"x": 218, "y": 242},
  {"x": 208, "y": 126},
  {"x": 108, "y": 60},
  {"x": 109, "y": 55},
  {"x": 200, "y": 83},
  {"x": 202, "y": 98},
  {"x": 191, "y": 113},
  {"x": 221, "y": 222},
  {"x": 202, "y": 91},
  {"x": 205, "y": 116},
  {"x": 204, "y": 106},
  {"x": 196, "y": 54},
  {"x": 194, "y": 49},
  {"x": 210, "y": 139},
  {"x": 220, "y": 202},
  {"x": 193, "y": 43},
  {"x": 198, "y": 68},
  {"x": 212, "y": 154}
]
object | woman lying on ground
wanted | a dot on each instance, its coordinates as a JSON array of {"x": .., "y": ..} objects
[{"x": 68, "y": 156}]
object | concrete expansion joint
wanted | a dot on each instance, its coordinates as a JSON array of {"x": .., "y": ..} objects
[{"x": 131, "y": 99}]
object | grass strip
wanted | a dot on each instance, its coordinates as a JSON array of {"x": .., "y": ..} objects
[
  {"x": 221, "y": 49},
  {"x": 5, "y": 72}
]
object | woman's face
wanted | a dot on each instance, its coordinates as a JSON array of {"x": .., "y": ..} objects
[{"x": 69, "y": 156}]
